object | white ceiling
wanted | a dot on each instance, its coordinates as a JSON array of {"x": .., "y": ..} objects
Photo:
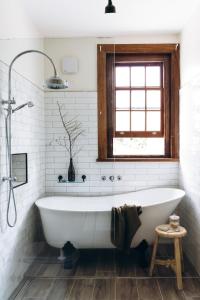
[{"x": 72, "y": 18}]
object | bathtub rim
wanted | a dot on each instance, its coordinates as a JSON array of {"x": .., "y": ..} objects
[{"x": 100, "y": 196}]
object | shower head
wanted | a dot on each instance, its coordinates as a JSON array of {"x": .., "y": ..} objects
[
  {"x": 29, "y": 104},
  {"x": 56, "y": 83}
]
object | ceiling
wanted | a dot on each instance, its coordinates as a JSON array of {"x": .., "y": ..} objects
[{"x": 73, "y": 18}]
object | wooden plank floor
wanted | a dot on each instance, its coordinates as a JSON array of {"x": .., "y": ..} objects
[{"x": 104, "y": 275}]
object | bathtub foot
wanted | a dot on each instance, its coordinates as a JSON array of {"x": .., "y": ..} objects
[{"x": 62, "y": 256}]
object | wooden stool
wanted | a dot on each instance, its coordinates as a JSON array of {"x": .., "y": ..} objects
[{"x": 175, "y": 263}]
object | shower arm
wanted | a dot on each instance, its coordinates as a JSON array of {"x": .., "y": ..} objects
[{"x": 10, "y": 101}]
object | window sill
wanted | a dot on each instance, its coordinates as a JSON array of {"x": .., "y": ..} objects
[{"x": 137, "y": 159}]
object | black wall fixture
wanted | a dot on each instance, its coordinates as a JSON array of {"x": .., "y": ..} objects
[{"x": 110, "y": 8}]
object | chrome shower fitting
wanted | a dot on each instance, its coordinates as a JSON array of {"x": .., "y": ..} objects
[
  {"x": 13, "y": 179},
  {"x": 54, "y": 82},
  {"x": 29, "y": 104},
  {"x": 112, "y": 178}
]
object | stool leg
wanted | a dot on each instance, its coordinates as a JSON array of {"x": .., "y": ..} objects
[
  {"x": 153, "y": 256},
  {"x": 178, "y": 263},
  {"x": 181, "y": 251}
]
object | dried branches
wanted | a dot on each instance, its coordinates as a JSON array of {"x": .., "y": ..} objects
[{"x": 73, "y": 131}]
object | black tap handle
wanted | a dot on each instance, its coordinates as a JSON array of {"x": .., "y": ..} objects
[
  {"x": 60, "y": 177},
  {"x": 83, "y": 177}
]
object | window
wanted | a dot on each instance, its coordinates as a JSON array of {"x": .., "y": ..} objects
[{"x": 138, "y": 88}]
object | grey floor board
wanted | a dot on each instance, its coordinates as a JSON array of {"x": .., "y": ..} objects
[
  {"x": 141, "y": 272},
  {"x": 60, "y": 289},
  {"x": 148, "y": 289},
  {"x": 125, "y": 265},
  {"x": 86, "y": 265},
  {"x": 169, "y": 290},
  {"x": 105, "y": 274},
  {"x": 126, "y": 289},
  {"x": 20, "y": 291},
  {"x": 82, "y": 289},
  {"x": 49, "y": 270},
  {"x": 34, "y": 269},
  {"x": 106, "y": 263},
  {"x": 38, "y": 288},
  {"x": 189, "y": 270},
  {"x": 163, "y": 271},
  {"x": 191, "y": 287},
  {"x": 104, "y": 289}
]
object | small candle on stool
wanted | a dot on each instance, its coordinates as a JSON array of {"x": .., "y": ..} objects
[{"x": 174, "y": 221}]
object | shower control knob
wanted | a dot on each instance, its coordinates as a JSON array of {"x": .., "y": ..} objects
[
  {"x": 119, "y": 177},
  {"x": 103, "y": 178},
  {"x": 112, "y": 178}
]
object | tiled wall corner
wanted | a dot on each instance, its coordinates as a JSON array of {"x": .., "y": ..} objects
[
  {"x": 18, "y": 245},
  {"x": 189, "y": 170}
]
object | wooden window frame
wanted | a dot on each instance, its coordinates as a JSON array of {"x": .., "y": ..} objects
[{"x": 105, "y": 122}]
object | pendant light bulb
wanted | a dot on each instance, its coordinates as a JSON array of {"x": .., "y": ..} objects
[{"x": 110, "y": 8}]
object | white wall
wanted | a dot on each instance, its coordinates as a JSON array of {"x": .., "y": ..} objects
[
  {"x": 85, "y": 50},
  {"x": 190, "y": 136},
  {"x": 30, "y": 66},
  {"x": 19, "y": 245},
  {"x": 82, "y": 102},
  {"x": 14, "y": 21},
  {"x": 83, "y": 106}
]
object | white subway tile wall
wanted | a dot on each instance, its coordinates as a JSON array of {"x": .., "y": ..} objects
[
  {"x": 18, "y": 245},
  {"x": 29, "y": 136},
  {"x": 190, "y": 169},
  {"x": 135, "y": 175}
]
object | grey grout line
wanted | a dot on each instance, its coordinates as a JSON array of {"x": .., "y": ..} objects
[
  {"x": 71, "y": 289},
  {"x": 52, "y": 284},
  {"x": 185, "y": 295},
  {"x": 137, "y": 289},
  {"x": 115, "y": 289},
  {"x": 109, "y": 277},
  {"x": 25, "y": 285},
  {"x": 94, "y": 285},
  {"x": 159, "y": 288}
]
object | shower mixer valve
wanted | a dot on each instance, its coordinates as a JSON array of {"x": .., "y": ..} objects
[
  {"x": 3, "y": 102},
  {"x": 9, "y": 179}
]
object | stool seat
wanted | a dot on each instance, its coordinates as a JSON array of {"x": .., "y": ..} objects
[
  {"x": 170, "y": 233},
  {"x": 165, "y": 231}
]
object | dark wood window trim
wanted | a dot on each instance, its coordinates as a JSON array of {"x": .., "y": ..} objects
[{"x": 105, "y": 128}]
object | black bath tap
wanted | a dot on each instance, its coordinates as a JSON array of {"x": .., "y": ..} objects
[
  {"x": 83, "y": 177},
  {"x": 60, "y": 178}
]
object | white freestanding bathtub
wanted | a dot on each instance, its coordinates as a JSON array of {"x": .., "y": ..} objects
[{"x": 86, "y": 221}]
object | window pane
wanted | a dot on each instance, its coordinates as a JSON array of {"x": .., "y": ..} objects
[
  {"x": 138, "y": 146},
  {"x": 137, "y": 76},
  {"x": 153, "y": 121},
  {"x": 122, "y": 100},
  {"x": 152, "y": 76},
  {"x": 122, "y": 76},
  {"x": 122, "y": 121},
  {"x": 137, "y": 121},
  {"x": 138, "y": 99},
  {"x": 153, "y": 99}
]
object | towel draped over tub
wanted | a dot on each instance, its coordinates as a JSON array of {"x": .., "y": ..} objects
[{"x": 125, "y": 222}]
